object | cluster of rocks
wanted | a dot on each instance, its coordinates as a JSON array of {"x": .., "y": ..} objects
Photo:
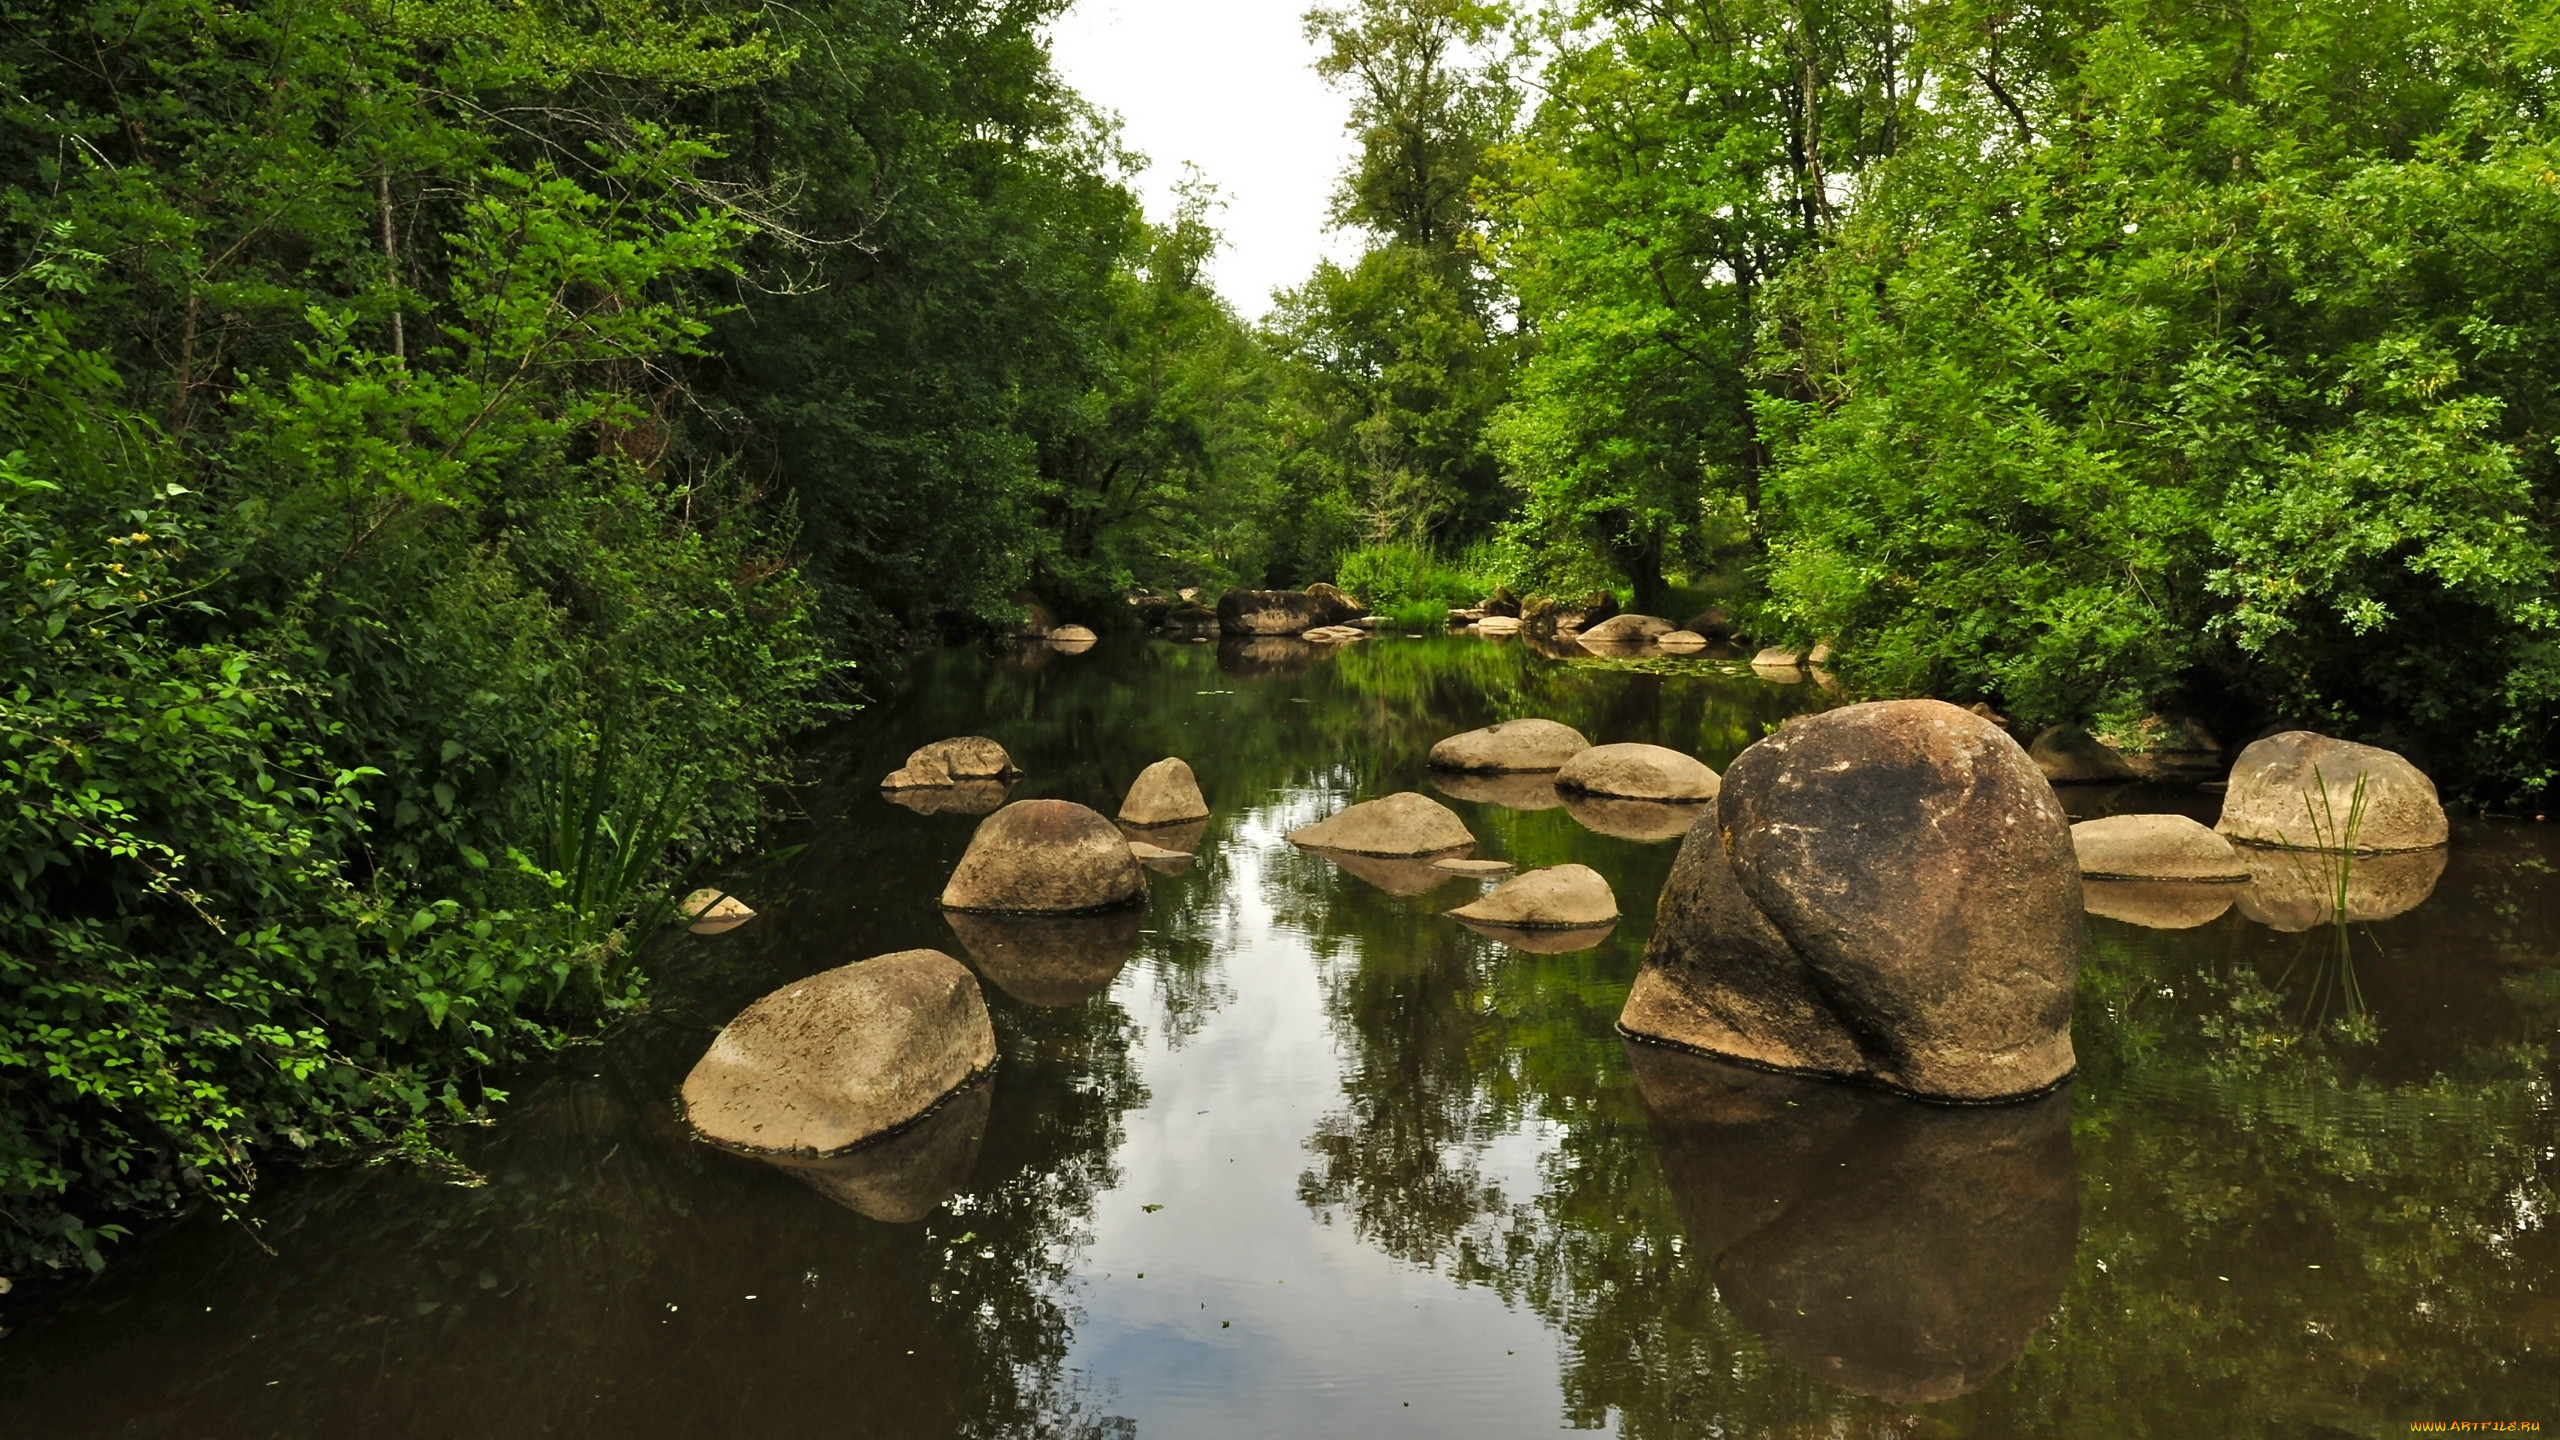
[
  {"x": 869, "y": 1082},
  {"x": 1636, "y": 792},
  {"x": 1408, "y": 843}
]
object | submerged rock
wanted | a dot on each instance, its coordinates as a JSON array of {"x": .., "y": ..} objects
[
  {"x": 949, "y": 762},
  {"x": 1461, "y": 865},
  {"x": 2299, "y": 789},
  {"x": 2298, "y": 890},
  {"x": 2069, "y": 755},
  {"x": 1045, "y": 857},
  {"x": 1270, "y": 612},
  {"x": 1402, "y": 824},
  {"x": 842, "y": 1057},
  {"x": 2154, "y": 847},
  {"x": 1777, "y": 657},
  {"x": 1891, "y": 1248},
  {"x": 1651, "y": 821},
  {"x": 1638, "y": 772},
  {"x": 1523, "y": 790},
  {"x": 1627, "y": 630},
  {"x": 1889, "y": 894},
  {"x": 1563, "y": 897},
  {"x": 714, "y": 912},
  {"x": 2159, "y": 904},
  {"x": 1165, "y": 793},
  {"x": 1681, "y": 642},
  {"x": 1050, "y": 960},
  {"x": 1510, "y": 746},
  {"x": 906, "y": 1176}
]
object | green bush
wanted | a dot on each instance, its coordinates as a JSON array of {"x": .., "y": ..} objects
[{"x": 1408, "y": 580}]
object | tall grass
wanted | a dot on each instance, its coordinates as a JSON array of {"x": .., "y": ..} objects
[{"x": 1411, "y": 584}]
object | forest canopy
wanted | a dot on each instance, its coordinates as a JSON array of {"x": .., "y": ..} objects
[{"x": 450, "y": 448}]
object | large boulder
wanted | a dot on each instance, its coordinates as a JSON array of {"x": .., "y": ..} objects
[
  {"x": 1045, "y": 857},
  {"x": 1563, "y": 897},
  {"x": 843, "y": 1057},
  {"x": 950, "y": 762},
  {"x": 1627, "y": 630},
  {"x": 1904, "y": 1251},
  {"x": 1403, "y": 824},
  {"x": 906, "y": 1176},
  {"x": 1270, "y": 612},
  {"x": 1165, "y": 793},
  {"x": 1638, "y": 772},
  {"x": 1050, "y": 960},
  {"x": 2299, "y": 789},
  {"x": 1335, "y": 605},
  {"x": 1510, "y": 745},
  {"x": 1886, "y": 893},
  {"x": 1543, "y": 616},
  {"x": 2069, "y": 755},
  {"x": 2154, "y": 847}
]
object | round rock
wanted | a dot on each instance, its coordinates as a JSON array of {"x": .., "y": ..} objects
[
  {"x": 1510, "y": 746},
  {"x": 1628, "y": 630},
  {"x": 2299, "y": 789},
  {"x": 715, "y": 912},
  {"x": 1271, "y": 612},
  {"x": 1402, "y": 824},
  {"x": 1777, "y": 658},
  {"x": 1682, "y": 642},
  {"x": 1563, "y": 897},
  {"x": 2154, "y": 847},
  {"x": 1165, "y": 793},
  {"x": 1045, "y": 857},
  {"x": 1638, "y": 772},
  {"x": 847, "y": 1055},
  {"x": 950, "y": 762},
  {"x": 2069, "y": 755}
]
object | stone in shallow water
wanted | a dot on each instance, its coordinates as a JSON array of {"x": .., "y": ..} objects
[
  {"x": 1045, "y": 857},
  {"x": 908, "y": 1175},
  {"x": 1777, "y": 658},
  {"x": 1272, "y": 612},
  {"x": 1405, "y": 823},
  {"x": 1165, "y": 793},
  {"x": 1892, "y": 1248},
  {"x": 1651, "y": 821},
  {"x": 1510, "y": 746},
  {"x": 2154, "y": 847},
  {"x": 1458, "y": 865},
  {"x": 1638, "y": 772},
  {"x": 2298, "y": 789},
  {"x": 1051, "y": 961},
  {"x": 949, "y": 762},
  {"x": 1528, "y": 791},
  {"x": 1561, "y": 897},
  {"x": 1888, "y": 894},
  {"x": 1628, "y": 630},
  {"x": 2159, "y": 904},
  {"x": 842, "y": 1057},
  {"x": 1681, "y": 642},
  {"x": 2297, "y": 890},
  {"x": 714, "y": 912}
]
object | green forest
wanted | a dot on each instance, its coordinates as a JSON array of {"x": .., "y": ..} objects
[{"x": 452, "y": 447}]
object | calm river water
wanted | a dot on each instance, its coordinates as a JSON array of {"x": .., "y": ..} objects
[{"x": 1319, "y": 1162}]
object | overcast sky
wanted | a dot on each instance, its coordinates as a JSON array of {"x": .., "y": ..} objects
[{"x": 1229, "y": 86}]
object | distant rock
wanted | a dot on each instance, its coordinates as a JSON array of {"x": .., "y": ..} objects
[
  {"x": 1563, "y": 897},
  {"x": 2069, "y": 755},
  {"x": 904, "y": 1177},
  {"x": 1271, "y": 612},
  {"x": 1045, "y": 857},
  {"x": 1542, "y": 616},
  {"x": 2297, "y": 890},
  {"x": 2154, "y": 847},
  {"x": 1165, "y": 793},
  {"x": 1526, "y": 790},
  {"x": 1037, "y": 619},
  {"x": 1638, "y": 772},
  {"x": 2158, "y": 904},
  {"x": 842, "y": 1057},
  {"x": 1500, "y": 602},
  {"x": 1627, "y": 630},
  {"x": 1050, "y": 960},
  {"x": 1510, "y": 746},
  {"x": 713, "y": 912},
  {"x": 1335, "y": 634},
  {"x": 1072, "y": 639},
  {"x": 1712, "y": 622},
  {"x": 2298, "y": 789},
  {"x": 1681, "y": 642},
  {"x": 1777, "y": 657},
  {"x": 1403, "y": 824},
  {"x": 1190, "y": 621},
  {"x": 1335, "y": 606},
  {"x": 1149, "y": 607},
  {"x": 1498, "y": 625},
  {"x": 1650, "y": 821},
  {"x": 949, "y": 762},
  {"x": 1820, "y": 654},
  {"x": 1888, "y": 893}
]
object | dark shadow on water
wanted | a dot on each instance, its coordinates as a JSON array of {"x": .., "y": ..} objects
[{"x": 907, "y": 1177}]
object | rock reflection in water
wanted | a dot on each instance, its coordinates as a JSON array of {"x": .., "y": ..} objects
[
  {"x": 1893, "y": 1248},
  {"x": 905, "y": 1178},
  {"x": 1050, "y": 960},
  {"x": 1546, "y": 940},
  {"x": 2159, "y": 904},
  {"x": 2296, "y": 890},
  {"x": 965, "y": 797},
  {"x": 1524, "y": 791},
  {"x": 1394, "y": 874},
  {"x": 1185, "y": 836},
  {"x": 1276, "y": 656},
  {"x": 1652, "y": 821}
]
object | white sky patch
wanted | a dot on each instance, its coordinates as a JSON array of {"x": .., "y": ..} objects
[{"x": 1229, "y": 86}]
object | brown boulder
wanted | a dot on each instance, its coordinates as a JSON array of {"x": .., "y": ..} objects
[
  {"x": 2154, "y": 847},
  {"x": 1888, "y": 893},
  {"x": 1563, "y": 897},
  {"x": 1777, "y": 657},
  {"x": 1335, "y": 605},
  {"x": 1713, "y": 622},
  {"x": 842, "y": 1057},
  {"x": 1403, "y": 824},
  {"x": 713, "y": 912},
  {"x": 949, "y": 762},
  {"x": 1681, "y": 642},
  {"x": 2069, "y": 755},
  {"x": 2299, "y": 789},
  {"x": 1510, "y": 746},
  {"x": 1270, "y": 612},
  {"x": 1045, "y": 857},
  {"x": 1050, "y": 960},
  {"x": 1627, "y": 630},
  {"x": 1165, "y": 793},
  {"x": 1638, "y": 772}
]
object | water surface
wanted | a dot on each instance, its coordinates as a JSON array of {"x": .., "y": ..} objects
[{"x": 1316, "y": 1161}]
